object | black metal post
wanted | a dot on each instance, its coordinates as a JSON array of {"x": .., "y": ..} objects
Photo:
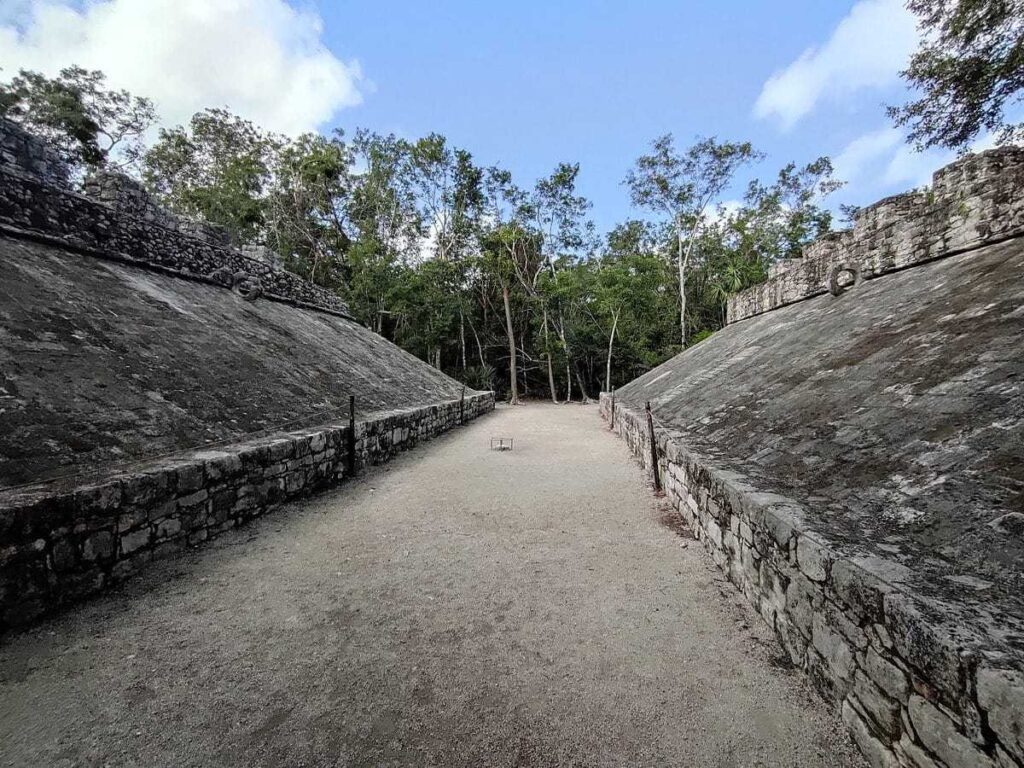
[
  {"x": 351, "y": 435},
  {"x": 654, "y": 449},
  {"x": 462, "y": 406},
  {"x": 611, "y": 420}
]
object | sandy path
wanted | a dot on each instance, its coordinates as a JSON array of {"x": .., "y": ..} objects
[{"x": 456, "y": 607}]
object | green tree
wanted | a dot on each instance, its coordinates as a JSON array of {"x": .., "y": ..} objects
[
  {"x": 969, "y": 69},
  {"x": 306, "y": 211},
  {"x": 626, "y": 290},
  {"x": 89, "y": 125},
  {"x": 681, "y": 187},
  {"x": 558, "y": 214},
  {"x": 217, "y": 169},
  {"x": 778, "y": 220}
]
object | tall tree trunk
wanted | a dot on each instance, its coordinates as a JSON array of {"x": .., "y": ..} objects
[
  {"x": 551, "y": 370},
  {"x": 462, "y": 338},
  {"x": 684, "y": 263},
  {"x": 479, "y": 347},
  {"x": 524, "y": 380},
  {"x": 570, "y": 365},
  {"x": 611, "y": 340},
  {"x": 579, "y": 380},
  {"x": 682, "y": 283},
  {"x": 568, "y": 362},
  {"x": 512, "y": 372}
]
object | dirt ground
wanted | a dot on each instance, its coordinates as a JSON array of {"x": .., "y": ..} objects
[{"x": 457, "y": 607}]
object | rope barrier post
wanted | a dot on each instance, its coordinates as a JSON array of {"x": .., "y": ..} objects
[
  {"x": 351, "y": 435},
  {"x": 611, "y": 420},
  {"x": 462, "y": 406},
  {"x": 654, "y": 449}
]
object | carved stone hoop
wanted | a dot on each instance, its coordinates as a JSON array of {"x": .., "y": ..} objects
[
  {"x": 247, "y": 286},
  {"x": 835, "y": 287}
]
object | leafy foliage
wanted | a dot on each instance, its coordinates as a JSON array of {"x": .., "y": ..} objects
[
  {"x": 90, "y": 126},
  {"x": 681, "y": 186},
  {"x": 969, "y": 69},
  {"x": 502, "y": 285},
  {"x": 217, "y": 169}
]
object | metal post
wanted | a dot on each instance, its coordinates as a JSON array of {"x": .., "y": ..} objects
[
  {"x": 611, "y": 420},
  {"x": 351, "y": 435},
  {"x": 654, "y": 449},
  {"x": 462, "y": 406}
]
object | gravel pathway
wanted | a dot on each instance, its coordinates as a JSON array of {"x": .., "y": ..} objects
[{"x": 457, "y": 607}]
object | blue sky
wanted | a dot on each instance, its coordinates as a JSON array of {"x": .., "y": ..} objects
[
  {"x": 531, "y": 84},
  {"x": 524, "y": 85}
]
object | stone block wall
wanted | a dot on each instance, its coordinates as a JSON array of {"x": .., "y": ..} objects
[
  {"x": 116, "y": 219},
  {"x": 915, "y": 685},
  {"x": 20, "y": 149},
  {"x": 57, "y": 547},
  {"x": 973, "y": 202}
]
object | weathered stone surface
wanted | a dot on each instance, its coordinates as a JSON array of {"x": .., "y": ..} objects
[
  {"x": 1001, "y": 695},
  {"x": 135, "y": 540},
  {"x": 21, "y": 150},
  {"x": 64, "y": 555},
  {"x": 168, "y": 528},
  {"x": 158, "y": 524},
  {"x": 942, "y": 738},
  {"x": 802, "y": 600},
  {"x": 877, "y": 754},
  {"x": 904, "y": 230},
  {"x": 886, "y": 675},
  {"x": 861, "y": 591},
  {"x": 893, "y": 433},
  {"x": 116, "y": 218},
  {"x": 99, "y": 546},
  {"x": 913, "y": 755},
  {"x": 833, "y": 647},
  {"x": 883, "y": 711},
  {"x": 843, "y": 406},
  {"x": 151, "y": 379}
]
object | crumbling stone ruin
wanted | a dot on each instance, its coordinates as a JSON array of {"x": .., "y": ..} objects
[
  {"x": 849, "y": 450},
  {"x": 159, "y": 386}
]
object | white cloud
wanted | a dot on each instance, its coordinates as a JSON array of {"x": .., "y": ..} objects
[
  {"x": 867, "y": 50},
  {"x": 263, "y": 59},
  {"x": 865, "y": 151},
  {"x": 882, "y": 158},
  {"x": 882, "y": 161}
]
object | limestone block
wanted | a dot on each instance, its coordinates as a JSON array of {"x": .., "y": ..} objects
[
  {"x": 190, "y": 478},
  {"x": 99, "y": 546},
  {"x": 833, "y": 648},
  {"x": 802, "y": 600},
  {"x": 169, "y": 527},
  {"x": 64, "y": 555},
  {"x": 813, "y": 558},
  {"x": 135, "y": 540},
  {"x": 883, "y": 711},
  {"x": 713, "y": 531},
  {"x": 1001, "y": 695},
  {"x": 862, "y": 584},
  {"x": 222, "y": 467},
  {"x": 876, "y": 753},
  {"x": 885, "y": 674},
  {"x": 926, "y": 646},
  {"x": 194, "y": 499},
  {"x": 912, "y": 755},
  {"x": 941, "y": 737}
]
